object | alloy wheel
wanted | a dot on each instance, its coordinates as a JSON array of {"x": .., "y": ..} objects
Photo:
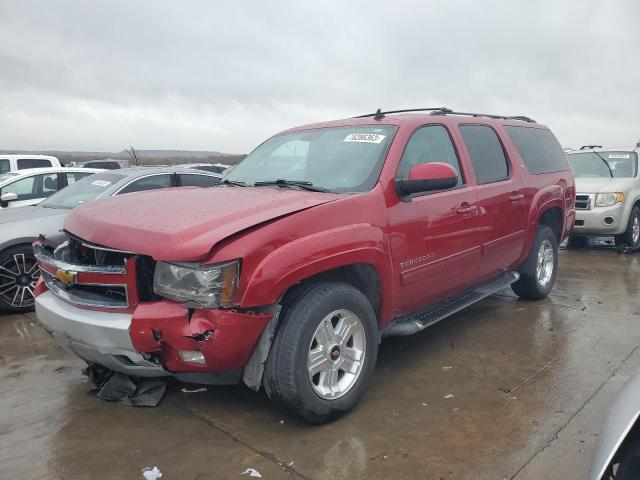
[
  {"x": 336, "y": 354},
  {"x": 544, "y": 267},
  {"x": 18, "y": 277}
]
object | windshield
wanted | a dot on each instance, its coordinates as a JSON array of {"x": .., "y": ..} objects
[
  {"x": 82, "y": 191},
  {"x": 338, "y": 159},
  {"x": 617, "y": 164}
]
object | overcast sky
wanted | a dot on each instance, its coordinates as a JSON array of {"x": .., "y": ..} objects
[{"x": 90, "y": 75}]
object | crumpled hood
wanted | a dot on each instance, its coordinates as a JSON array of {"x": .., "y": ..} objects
[
  {"x": 183, "y": 224},
  {"x": 604, "y": 185}
]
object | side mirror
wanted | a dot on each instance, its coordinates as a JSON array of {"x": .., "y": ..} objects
[
  {"x": 427, "y": 177},
  {"x": 8, "y": 197}
]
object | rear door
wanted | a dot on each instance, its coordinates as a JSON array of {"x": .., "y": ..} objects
[
  {"x": 501, "y": 199},
  {"x": 434, "y": 243}
]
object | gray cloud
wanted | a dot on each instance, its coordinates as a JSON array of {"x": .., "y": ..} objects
[{"x": 223, "y": 76}]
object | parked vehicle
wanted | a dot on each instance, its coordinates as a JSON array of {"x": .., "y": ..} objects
[
  {"x": 103, "y": 164},
  {"x": 618, "y": 453},
  {"x": 19, "y": 227},
  {"x": 607, "y": 194},
  {"x": 325, "y": 239},
  {"x": 209, "y": 167},
  {"x": 29, "y": 187},
  {"x": 15, "y": 163}
]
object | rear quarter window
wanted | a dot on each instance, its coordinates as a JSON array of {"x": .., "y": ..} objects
[
  {"x": 539, "y": 149},
  {"x": 24, "y": 163}
]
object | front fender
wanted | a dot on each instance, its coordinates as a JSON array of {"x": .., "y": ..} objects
[
  {"x": 312, "y": 254},
  {"x": 622, "y": 417}
]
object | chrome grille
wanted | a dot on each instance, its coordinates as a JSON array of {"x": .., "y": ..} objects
[
  {"x": 583, "y": 202},
  {"x": 90, "y": 295}
]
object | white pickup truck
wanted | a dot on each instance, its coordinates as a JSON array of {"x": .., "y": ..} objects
[{"x": 607, "y": 194}]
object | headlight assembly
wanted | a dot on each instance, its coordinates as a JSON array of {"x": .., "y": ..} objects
[
  {"x": 608, "y": 199},
  {"x": 197, "y": 286}
]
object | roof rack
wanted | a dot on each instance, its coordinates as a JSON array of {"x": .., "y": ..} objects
[
  {"x": 444, "y": 111},
  {"x": 380, "y": 114},
  {"x": 486, "y": 115},
  {"x": 589, "y": 147}
]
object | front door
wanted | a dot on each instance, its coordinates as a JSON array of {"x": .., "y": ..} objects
[
  {"x": 501, "y": 200},
  {"x": 434, "y": 242}
]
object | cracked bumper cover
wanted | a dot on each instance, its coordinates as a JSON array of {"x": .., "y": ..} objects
[{"x": 158, "y": 330}]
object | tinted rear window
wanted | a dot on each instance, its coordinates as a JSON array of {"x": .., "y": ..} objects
[
  {"x": 24, "y": 163},
  {"x": 486, "y": 153},
  {"x": 539, "y": 149},
  {"x": 4, "y": 165}
]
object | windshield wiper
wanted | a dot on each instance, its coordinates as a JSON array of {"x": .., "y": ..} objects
[
  {"x": 281, "y": 182},
  {"x": 235, "y": 183},
  {"x": 605, "y": 162}
]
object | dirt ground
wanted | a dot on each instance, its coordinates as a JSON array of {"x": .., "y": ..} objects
[{"x": 507, "y": 389}]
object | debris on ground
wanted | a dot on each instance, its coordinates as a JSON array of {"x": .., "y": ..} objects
[
  {"x": 193, "y": 390},
  {"x": 150, "y": 473},
  {"x": 252, "y": 472},
  {"x": 447, "y": 368},
  {"x": 131, "y": 391},
  {"x": 449, "y": 396}
]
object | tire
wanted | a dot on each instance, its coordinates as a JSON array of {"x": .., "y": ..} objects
[
  {"x": 537, "y": 279},
  {"x": 577, "y": 242},
  {"x": 631, "y": 236},
  {"x": 310, "y": 330},
  {"x": 18, "y": 275}
]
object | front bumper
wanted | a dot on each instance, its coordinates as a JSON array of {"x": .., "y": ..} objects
[
  {"x": 96, "y": 337},
  {"x": 148, "y": 342},
  {"x": 593, "y": 222}
]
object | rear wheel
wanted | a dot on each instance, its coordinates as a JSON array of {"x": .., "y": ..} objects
[
  {"x": 538, "y": 272},
  {"x": 18, "y": 275},
  {"x": 324, "y": 352},
  {"x": 631, "y": 236}
]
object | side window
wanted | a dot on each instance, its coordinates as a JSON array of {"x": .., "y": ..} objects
[
  {"x": 24, "y": 163},
  {"x": 187, "y": 180},
  {"x": 47, "y": 184},
  {"x": 539, "y": 149},
  {"x": 4, "y": 166},
  {"x": 73, "y": 177},
  {"x": 486, "y": 153},
  {"x": 148, "y": 183},
  {"x": 427, "y": 145},
  {"x": 25, "y": 188}
]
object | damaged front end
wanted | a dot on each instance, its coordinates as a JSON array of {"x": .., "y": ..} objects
[{"x": 144, "y": 318}]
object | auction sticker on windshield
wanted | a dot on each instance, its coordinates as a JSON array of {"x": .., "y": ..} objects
[
  {"x": 364, "y": 137},
  {"x": 100, "y": 183}
]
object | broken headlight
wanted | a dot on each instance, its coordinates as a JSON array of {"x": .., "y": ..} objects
[{"x": 195, "y": 285}]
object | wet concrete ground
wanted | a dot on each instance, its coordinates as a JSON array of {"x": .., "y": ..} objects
[{"x": 507, "y": 389}]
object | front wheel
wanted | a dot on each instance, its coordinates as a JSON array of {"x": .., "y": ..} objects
[
  {"x": 19, "y": 273},
  {"x": 538, "y": 272},
  {"x": 324, "y": 352},
  {"x": 631, "y": 236}
]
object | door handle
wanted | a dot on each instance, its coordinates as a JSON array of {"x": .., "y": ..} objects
[
  {"x": 465, "y": 208},
  {"x": 516, "y": 197}
]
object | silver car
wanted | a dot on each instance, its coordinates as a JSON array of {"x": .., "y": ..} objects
[
  {"x": 19, "y": 227},
  {"x": 618, "y": 453}
]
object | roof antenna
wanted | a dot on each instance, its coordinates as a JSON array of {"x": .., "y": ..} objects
[{"x": 379, "y": 115}]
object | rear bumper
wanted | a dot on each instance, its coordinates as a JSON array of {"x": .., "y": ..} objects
[
  {"x": 148, "y": 342},
  {"x": 96, "y": 337}
]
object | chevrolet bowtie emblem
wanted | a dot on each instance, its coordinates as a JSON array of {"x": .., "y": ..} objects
[{"x": 66, "y": 277}]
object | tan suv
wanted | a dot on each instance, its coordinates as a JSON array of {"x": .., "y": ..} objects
[{"x": 607, "y": 194}]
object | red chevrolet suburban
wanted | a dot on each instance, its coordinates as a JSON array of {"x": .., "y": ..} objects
[{"x": 324, "y": 240}]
